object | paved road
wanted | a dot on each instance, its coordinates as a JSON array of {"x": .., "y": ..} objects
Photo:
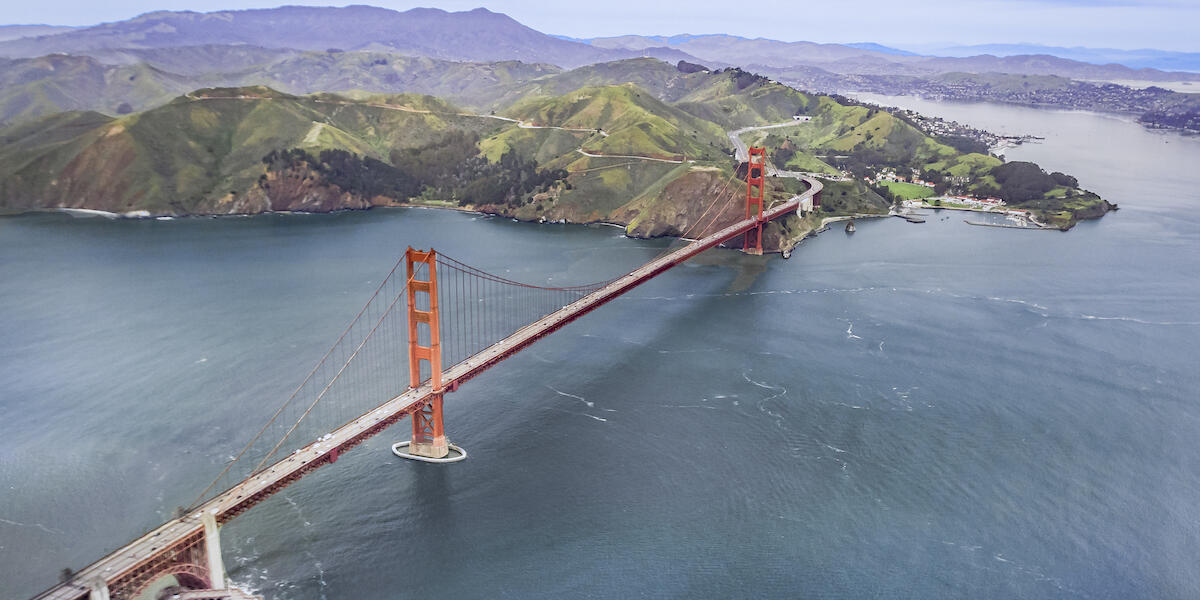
[{"x": 742, "y": 153}]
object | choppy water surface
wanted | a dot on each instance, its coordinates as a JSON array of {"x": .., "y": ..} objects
[{"x": 932, "y": 411}]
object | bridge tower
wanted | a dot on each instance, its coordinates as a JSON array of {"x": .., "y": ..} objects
[
  {"x": 428, "y": 431},
  {"x": 756, "y": 167}
]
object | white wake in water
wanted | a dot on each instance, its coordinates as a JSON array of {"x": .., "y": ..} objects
[
  {"x": 1140, "y": 321},
  {"x": 589, "y": 403},
  {"x": 850, "y": 332},
  {"x": 33, "y": 525}
]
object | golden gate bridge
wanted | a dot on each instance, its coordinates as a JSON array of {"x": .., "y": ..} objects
[{"x": 430, "y": 311}]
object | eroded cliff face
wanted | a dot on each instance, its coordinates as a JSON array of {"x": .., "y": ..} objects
[
  {"x": 295, "y": 189},
  {"x": 684, "y": 207}
]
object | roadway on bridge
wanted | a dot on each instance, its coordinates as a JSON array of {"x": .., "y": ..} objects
[{"x": 326, "y": 449}]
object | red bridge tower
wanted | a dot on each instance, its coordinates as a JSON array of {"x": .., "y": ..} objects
[
  {"x": 755, "y": 172},
  {"x": 428, "y": 432}
]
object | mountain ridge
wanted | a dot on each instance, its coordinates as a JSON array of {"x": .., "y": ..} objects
[
  {"x": 477, "y": 35},
  {"x": 873, "y": 59}
]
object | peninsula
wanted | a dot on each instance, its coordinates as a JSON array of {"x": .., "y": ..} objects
[{"x": 636, "y": 142}]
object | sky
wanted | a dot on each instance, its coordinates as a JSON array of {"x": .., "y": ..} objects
[{"x": 911, "y": 24}]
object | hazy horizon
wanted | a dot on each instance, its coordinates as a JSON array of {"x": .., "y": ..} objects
[{"x": 922, "y": 26}]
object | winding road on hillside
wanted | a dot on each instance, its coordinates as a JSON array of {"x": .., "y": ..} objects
[{"x": 741, "y": 152}]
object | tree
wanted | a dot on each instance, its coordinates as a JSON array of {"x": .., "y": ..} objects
[
  {"x": 1022, "y": 181},
  {"x": 1065, "y": 180}
]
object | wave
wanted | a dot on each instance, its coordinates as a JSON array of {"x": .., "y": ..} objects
[
  {"x": 87, "y": 212},
  {"x": 1140, "y": 321}
]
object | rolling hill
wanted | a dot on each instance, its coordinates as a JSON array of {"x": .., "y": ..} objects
[
  {"x": 636, "y": 142},
  {"x": 135, "y": 80},
  {"x": 202, "y": 153}
]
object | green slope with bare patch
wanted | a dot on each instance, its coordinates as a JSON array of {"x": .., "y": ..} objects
[{"x": 201, "y": 153}]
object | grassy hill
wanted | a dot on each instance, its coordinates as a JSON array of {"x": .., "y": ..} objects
[
  {"x": 124, "y": 81},
  {"x": 523, "y": 153},
  {"x": 731, "y": 98},
  {"x": 33, "y": 88},
  {"x": 199, "y": 154},
  {"x": 633, "y": 121}
]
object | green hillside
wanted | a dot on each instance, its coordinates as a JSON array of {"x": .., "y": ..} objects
[
  {"x": 637, "y": 142},
  {"x": 124, "y": 81},
  {"x": 201, "y": 153},
  {"x": 731, "y": 98},
  {"x": 33, "y": 88},
  {"x": 633, "y": 121}
]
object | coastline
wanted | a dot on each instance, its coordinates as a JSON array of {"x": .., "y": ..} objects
[
  {"x": 1027, "y": 216},
  {"x": 787, "y": 247}
]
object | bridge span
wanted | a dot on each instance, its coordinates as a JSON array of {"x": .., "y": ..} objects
[{"x": 188, "y": 547}]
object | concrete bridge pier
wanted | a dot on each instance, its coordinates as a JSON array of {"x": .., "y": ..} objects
[
  {"x": 212, "y": 548},
  {"x": 98, "y": 589},
  {"x": 429, "y": 433}
]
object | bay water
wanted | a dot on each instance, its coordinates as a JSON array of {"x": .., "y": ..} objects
[{"x": 915, "y": 411}]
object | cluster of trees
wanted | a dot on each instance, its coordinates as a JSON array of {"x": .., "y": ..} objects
[
  {"x": 744, "y": 79},
  {"x": 1189, "y": 119},
  {"x": 784, "y": 153},
  {"x": 864, "y": 161},
  {"x": 886, "y": 193},
  {"x": 513, "y": 180},
  {"x": 1022, "y": 181},
  {"x": 940, "y": 181},
  {"x": 449, "y": 168},
  {"x": 362, "y": 175},
  {"x": 686, "y": 67},
  {"x": 964, "y": 144}
]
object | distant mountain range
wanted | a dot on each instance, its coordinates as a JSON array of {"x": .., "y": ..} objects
[
  {"x": 234, "y": 112},
  {"x": 483, "y": 36},
  {"x": 143, "y": 62},
  {"x": 477, "y": 35},
  {"x": 1136, "y": 59},
  {"x": 14, "y": 32},
  {"x": 872, "y": 59},
  {"x": 881, "y": 48}
]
